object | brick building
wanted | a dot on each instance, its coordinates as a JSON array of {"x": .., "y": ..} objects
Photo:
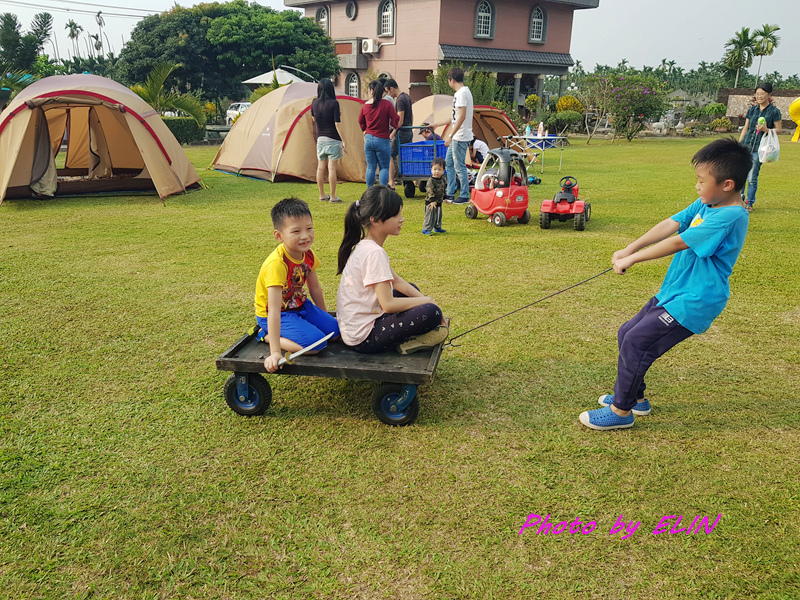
[{"x": 522, "y": 41}]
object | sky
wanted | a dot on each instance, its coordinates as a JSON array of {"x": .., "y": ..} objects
[{"x": 642, "y": 31}]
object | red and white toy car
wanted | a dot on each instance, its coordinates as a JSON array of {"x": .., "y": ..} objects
[
  {"x": 565, "y": 206},
  {"x": 501, "y": 189}
]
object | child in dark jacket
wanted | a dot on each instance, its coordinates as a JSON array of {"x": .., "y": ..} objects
[{"x": 434, "y": 197}]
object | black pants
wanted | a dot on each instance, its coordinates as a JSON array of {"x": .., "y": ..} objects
[{"x": 393, "y": 329}]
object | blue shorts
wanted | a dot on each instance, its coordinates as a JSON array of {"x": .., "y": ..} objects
[{"x": 304, "y": 326}]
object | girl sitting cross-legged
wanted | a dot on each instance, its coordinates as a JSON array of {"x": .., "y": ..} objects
[{"x": 376, "y": 308}]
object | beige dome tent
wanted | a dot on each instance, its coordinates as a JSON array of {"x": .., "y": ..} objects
[
  {"x": 488, "y": 123},
  {"x": 274, "y": 138},
  {"x": 114, "y": 141}
]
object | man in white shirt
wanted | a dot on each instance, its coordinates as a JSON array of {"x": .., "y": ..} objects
[{"x": 458, "y": 137}]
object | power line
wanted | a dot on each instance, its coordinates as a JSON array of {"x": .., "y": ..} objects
[
  {"x": 147, "y": 10},
  {"x": 69, "y": 10}
]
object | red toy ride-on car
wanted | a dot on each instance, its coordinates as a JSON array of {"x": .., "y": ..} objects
[
  {"x": 565, "y": 205},
  {"x": 501, "y": 189}
]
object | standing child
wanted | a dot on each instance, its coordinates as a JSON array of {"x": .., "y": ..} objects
[
  {"x": 711, "y": 232},
  {"x": 434, "y": 197},
  {"x": 376, "y": 308},
  {"x": 287, "y": 319}
]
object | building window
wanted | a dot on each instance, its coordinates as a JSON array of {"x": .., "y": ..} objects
[
  {"x": 353, "y": 85},
  {"x": 484, "y": 20},
  {"x": 538, "y": 29},
  {"x": 323, "y": 20},
  {"x": 386, "y": 18},
  {"x": 351, "y": 11}
]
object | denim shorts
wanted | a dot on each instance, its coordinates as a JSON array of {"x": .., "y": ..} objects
[{"x": 328, "y": 148}]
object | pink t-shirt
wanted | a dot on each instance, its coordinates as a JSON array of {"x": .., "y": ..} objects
[{"x": 357, "y": 305}]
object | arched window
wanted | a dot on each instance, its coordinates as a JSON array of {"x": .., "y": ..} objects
[
  {"x": 386, "y": 18},
  {"x": 353, "y": 85},
  {"x": 484, "y": 20},
  {"x": 323, "y": 19},
  {"x": 537, "y": 32}
]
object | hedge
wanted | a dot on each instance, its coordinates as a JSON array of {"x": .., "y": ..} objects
[{"x": 185, "y": 129}]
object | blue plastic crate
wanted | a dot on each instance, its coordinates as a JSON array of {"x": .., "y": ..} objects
[{"x": 416, "y": 158}]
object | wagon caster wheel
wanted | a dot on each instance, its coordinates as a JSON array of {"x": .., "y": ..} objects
[
  {"x": 536, "y": 181},
  {"x": 396, "y": 404},
  {"x": 587, "y": 210},
  {"x": 544, "y": 220},
  {"x": 423, "y": 186},
  {"x": 580, "y": 221},
  {"x": 525, "y": 218},
  {"x": 499, "y": 219},
  {"x": 251, "y": 395},
  {"x": 410, "y": 189},
  {"x": 471, "y": 211}
]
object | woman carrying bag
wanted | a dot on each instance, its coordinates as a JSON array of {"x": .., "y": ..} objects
[{"x": 752, "y": 133}]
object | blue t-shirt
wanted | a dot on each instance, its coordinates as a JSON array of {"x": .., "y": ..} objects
[{"x": 696, "y": 288}]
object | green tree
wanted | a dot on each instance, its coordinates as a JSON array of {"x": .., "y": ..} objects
[
  {"x": 73, "y": 34},
  {"x": 219, "y": 45},
  {"x": 765, "y": 40},
  {"x": 155, "y": 95},
  {"x": 633, "y": 101},
  {"x": 19, "y": 50},
  {"x": 595, "y": 94},
  {"x": 739, "y": 52}
]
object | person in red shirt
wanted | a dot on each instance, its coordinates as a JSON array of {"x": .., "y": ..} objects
[{"x": 376, "y": 117}]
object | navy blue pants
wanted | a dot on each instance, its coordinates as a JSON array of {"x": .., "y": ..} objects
[{"x": 648, "y": 335}]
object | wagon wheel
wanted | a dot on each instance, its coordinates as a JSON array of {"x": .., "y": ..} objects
[
  {"x": 410, "y": 189},
  {"x": 544, "y": 220},
  {"x": 499, "y": 219},
  {"x": 580, "y": 221},
  {"x": 382, "y": 400},
  {"x": 423, "y": 186},
  {"x": 525, "y": 218},
  {"x": 587, "y": 210},
  {"x": 471, "y": 211},
  {"x": 259, "y": 395}
]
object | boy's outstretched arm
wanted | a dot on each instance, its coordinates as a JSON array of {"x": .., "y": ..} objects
[
  {"x": 274, "y": 303},
  {"x": 315, "y": 290},
  {"x": 656, "y": 243}
]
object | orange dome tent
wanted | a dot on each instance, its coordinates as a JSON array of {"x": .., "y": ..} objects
[
  {"x": 114, "y": 141},
  {"x": 488, "y": 123},
  {"x": 274, "y": 138}
]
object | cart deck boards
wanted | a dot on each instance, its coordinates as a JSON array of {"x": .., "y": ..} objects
[{"x": 338, "y": 361}]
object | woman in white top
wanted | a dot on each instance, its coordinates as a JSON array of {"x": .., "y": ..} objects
[{"x": 375, "y": 307}]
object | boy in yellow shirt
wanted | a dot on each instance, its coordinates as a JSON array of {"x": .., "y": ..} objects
[{"x": 287, "y": 319}]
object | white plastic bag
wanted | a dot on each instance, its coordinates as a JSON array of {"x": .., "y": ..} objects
[{"x": 770, "y": 149}]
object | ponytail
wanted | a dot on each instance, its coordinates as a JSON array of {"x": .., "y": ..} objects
[
  {"x": 376, "y": 85},
  {"x": 379, "y": 203}
]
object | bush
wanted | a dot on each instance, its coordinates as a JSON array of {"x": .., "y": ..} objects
[
  {"x": 717, "y": 109},
  {"x": 722, "y": 123},
  {"x": 635, "y": 100},
  {"x": 185, "y": 129},
  {"x": 569, "y": 103},
  {"x": 532, "y": 103}
]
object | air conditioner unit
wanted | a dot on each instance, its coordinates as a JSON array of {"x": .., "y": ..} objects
[{"x": 369, "y": 46}]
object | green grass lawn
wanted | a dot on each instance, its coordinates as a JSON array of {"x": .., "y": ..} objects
[{"x": 124, "y": 475}]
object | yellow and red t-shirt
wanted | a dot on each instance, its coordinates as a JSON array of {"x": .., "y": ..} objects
[{"x": 281, "y": 269}]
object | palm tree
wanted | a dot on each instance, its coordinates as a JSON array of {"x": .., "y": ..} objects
[
  {"x": 98, "y": 44},
  {"x": 764, "y": 43},
  {"x": 154, "y": 94},
  {"x": 740, "y": 52},
  {"x": 623, "y": 65},
  {"x": 74, "y": 33},
  {"x": 100, "y": 22}
]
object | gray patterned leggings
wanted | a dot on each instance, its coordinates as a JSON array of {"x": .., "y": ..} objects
[{"x": 393, "y": 329}]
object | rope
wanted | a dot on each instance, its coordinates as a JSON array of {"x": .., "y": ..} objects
[{"x": 450, "y": 341}]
